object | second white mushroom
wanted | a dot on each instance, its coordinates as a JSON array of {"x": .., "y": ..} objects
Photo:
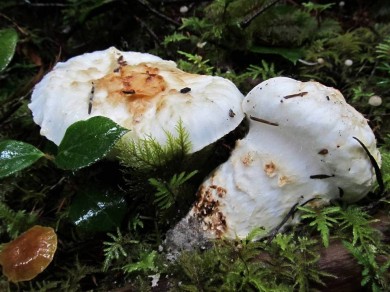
[{"x": 301, "y": 147}]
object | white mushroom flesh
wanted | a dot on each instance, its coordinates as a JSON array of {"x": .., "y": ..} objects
[
  {"x": 140, "y": 92},
  {"x": 300, "y": 147}
]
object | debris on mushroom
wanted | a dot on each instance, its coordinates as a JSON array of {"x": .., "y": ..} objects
[
  {"x": 138, "y": 91},
  {"x": 303, "y": 147},
  {"x": 29, "y": 254}
]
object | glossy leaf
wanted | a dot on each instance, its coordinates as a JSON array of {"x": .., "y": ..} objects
[
  {"x": 97, "y": 210},
  {"x": 8, "y": 41},
  {"x": 16, "y": 155},
  {"x": 293, "y": 54},
  {"x": 86, "y": 142}
]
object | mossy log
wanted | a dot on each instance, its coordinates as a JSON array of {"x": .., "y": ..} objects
[{"x": 337, "y": 261}]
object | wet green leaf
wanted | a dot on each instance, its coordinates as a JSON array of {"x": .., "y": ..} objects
[
  {"x": 86, "y": 142},
  {"x": 16, "y": 155},
  {"x": 8, "y": 41},
  {"x": 97, "y": 210},
  {"x": 293, "y": 54}
]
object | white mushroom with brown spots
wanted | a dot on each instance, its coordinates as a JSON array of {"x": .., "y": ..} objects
[
  {"x": 140, "y": 92},
  {"x": 302, "y": 146}
]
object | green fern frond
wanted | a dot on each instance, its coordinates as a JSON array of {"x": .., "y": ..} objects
[
  {"x": 296, "y": 259},
  {"x": 318, "y": 8},
  {"x": 366, "y": 247},
  {"x": 383, "y": 54},
  {"x": 321, "y": 219},
  {"x": 305, "y": 262},
  {"x": 372, "y": 272},
  {"x": 358, "y": 94},
  {"x": 146, "y": 263},
  {"x": 182, "y": 141},
  {"x": 349, "y": 43},
  {"x": 265, "y": 71},
  {"x": 15, "y": 222},
  {"x": 195, "y": 64},
  {"x": 218, "y": 9},
  {"x": 359, "y": 222},
  {"x": 385, "y": 166},
  {"x": 148, "y": 154},
  {"x": 115, "y": 249},
  {"x": 195, "y": 23},
  {"x": 167, "y": 192},
  {"x": 75, "y": 272},
  {"x": 255, "y": 233},
  {"x": 135, "y": 222},
  {"x": 383, "y": 49},
  {"x": 43, "y": 286},
  {"x": 174, "y": 38}
]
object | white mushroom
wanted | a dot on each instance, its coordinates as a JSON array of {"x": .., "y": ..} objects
[
  {"x": 375, "y": 100},
  {"x": 301, "y": 146},
  {"x": 140, "y": 92}
]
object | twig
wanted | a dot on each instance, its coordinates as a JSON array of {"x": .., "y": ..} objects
[
  {"x": 46, "y": 4},
  {"x": 22, "y": 31},
  {"x": 280, "y": 225},
  {"x": 263, "y": 121},
  {"x": 148, "y": 29},
  {"x": 295, "y": 95},
  {"x": 307, "y": 62},
  {"x": 249, "y": 18},
  {"x": 158, "y": 13},
  {"x": 289, "y": 215},
  {"x": 13, "y": 107}
]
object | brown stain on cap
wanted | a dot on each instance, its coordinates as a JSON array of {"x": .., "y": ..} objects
[
  {"x": 283, "y": 180},
  {"x": 270, "y": 169},
  {"x": 133, "y": 86},
  {"x": 247, "y": 159}
]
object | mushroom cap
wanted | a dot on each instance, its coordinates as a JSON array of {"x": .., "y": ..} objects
[
  {"x": 300, "y": 147},
  {"x": 29, "y": 254},
  {"x": 140, "y": 92}
]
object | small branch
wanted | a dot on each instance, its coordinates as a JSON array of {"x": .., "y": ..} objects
[
  {"x": 21, "y": 30},
  {"x": 148, "y": 29},
  {"x": 158, "y": 13},
  {"x": 321, "y": 176},
  {"x": 250, "y": 17},
  {"x": 263, "y": 121},
  {"x": 300, "y": 94},
  {"x": 46, "y": 4},
  {"x": 307, "y": 62},
  {"x": 289, "y": 215},
  {"x": 90, "y": 99}
]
